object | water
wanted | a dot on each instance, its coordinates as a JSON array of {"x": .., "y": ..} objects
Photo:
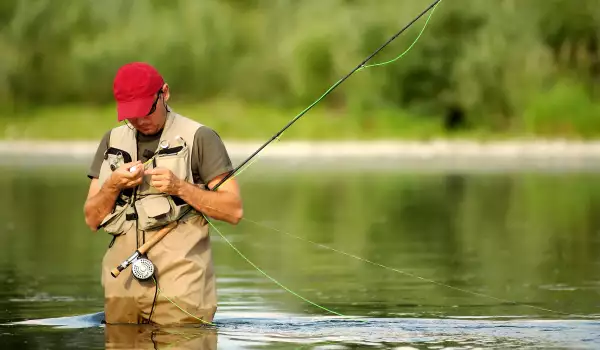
[{"x": 513, "y": 257}]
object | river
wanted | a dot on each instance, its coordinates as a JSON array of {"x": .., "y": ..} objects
[{"x": 410, "y": 258}]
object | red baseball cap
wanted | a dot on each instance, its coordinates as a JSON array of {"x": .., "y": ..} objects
[{"x": 135, "y": 87}]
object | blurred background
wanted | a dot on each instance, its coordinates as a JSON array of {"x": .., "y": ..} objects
[
  {"x": 505, "y": 67},
  {"x": 520, "y": 231}
]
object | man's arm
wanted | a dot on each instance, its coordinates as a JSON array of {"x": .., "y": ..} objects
[
  {"x": 101, "y": 199},
  {"x": 99, "y": 203},
  {"x": 210, "y": 164},
  {"x": 224, "y": 204}
]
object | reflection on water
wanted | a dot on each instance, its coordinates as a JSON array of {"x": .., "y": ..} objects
[
  {"x": 139, "y": 337},
  {"x": 530, "y": 240}
]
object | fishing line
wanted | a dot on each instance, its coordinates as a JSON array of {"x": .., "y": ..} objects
[
  {"x": 179, "y": 307},
  {"x": 242, "y": 166},
  {"x": 402, "y": 272},
  {"x": 410, "y": 47},
  {"x": 271, "y": 278},
  {"x": 372, "y": 263}
]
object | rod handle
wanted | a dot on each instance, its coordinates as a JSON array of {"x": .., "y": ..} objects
[
  {"x": 116, "y": 271},
  {"x": 157, "y": 237}
]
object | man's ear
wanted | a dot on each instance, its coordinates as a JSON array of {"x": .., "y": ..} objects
[{"x": 166, "y": 93}]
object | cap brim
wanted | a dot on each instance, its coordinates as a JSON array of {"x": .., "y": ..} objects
[{"x": 134, "y": 109}]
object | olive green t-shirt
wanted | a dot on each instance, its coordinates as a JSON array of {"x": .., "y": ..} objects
[{"x": 209, "y": 156}]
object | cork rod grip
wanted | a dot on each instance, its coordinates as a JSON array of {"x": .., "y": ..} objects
[{"x": 157, "y": 237}]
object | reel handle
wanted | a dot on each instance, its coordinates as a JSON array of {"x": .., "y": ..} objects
[
  {"x": 117, "y": 270},
  {"x": 143, "y": 249}
]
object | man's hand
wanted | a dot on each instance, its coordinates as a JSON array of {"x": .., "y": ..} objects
[
  {"x": 101, "y": 199},
  {"x": 165, "y": 181},
  {"x": 123, "y": 178},
  {"x": 223, "y": 204}
]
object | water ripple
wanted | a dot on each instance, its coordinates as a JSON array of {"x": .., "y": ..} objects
[{"x": 251, "y": 329}]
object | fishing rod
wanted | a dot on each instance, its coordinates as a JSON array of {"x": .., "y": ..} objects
[{"x": 339, "y": 82}]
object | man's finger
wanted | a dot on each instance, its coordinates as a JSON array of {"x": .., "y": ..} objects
[
  {"x": 157, "y": 171},
  {"x": 158, "y": 183},
  {"x": 126, "y": 174},
  {"x": 159, "y": 177},
  {"x": 136, "y": 168},
  {"x": 135, "y": 182},
  {"x": 139, "y": 171}
]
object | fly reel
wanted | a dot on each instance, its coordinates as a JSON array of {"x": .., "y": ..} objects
[{"x": 142, "y": 269}]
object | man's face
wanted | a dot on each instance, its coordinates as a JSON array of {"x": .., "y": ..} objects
[{"x": 154, "y": 121}]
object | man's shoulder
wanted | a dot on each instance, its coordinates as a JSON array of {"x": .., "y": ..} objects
[
  {"x": 202, "y": 131},
  {"x": 107, "y": 134},
  {"x": 105, "y": 138},
  {"x": 187, "y": 121},
  {"x": 206, "y": 131}
]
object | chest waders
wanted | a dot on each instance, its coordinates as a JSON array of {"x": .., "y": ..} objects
[{"x": 175, "y": 251}]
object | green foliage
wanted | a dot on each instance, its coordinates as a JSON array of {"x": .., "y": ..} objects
[
  {"x": 564, "y": 110},
  {"x": 496, "y": 62}
]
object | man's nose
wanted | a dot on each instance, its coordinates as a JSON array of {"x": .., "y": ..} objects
[{"x": 142, "y": 121}]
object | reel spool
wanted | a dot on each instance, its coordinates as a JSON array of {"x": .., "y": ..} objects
[{"x": 142, "y": 269}]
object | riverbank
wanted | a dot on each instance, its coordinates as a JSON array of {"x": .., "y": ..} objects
[
  {"x": 337, "y": 149},
  {"x": 428, "y": 154},
  {"x": 247, "y": 122}
]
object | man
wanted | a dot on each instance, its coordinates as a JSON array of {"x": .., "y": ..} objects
[{"x": 146, "y": 174}]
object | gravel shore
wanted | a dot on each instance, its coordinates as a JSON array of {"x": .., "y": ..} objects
[{"x": 430, "y": 153}]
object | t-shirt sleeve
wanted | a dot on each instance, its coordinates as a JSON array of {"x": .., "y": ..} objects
[
  {"x": 209, "y": 156},
  {"x": 94, "y": 170}
]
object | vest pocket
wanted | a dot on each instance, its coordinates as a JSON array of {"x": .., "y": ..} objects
[
  {"x": 177, "y": 162},
  {"x": 153, "y": 211},
  {"x": 116, "y": 223},
  {"x": 113, "y": 158}
]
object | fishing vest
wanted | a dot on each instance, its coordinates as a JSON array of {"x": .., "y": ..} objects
[{"x": 145, "y": 204}]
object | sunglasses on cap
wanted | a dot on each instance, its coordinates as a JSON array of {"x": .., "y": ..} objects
[{"x": 153, "y": 108}]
